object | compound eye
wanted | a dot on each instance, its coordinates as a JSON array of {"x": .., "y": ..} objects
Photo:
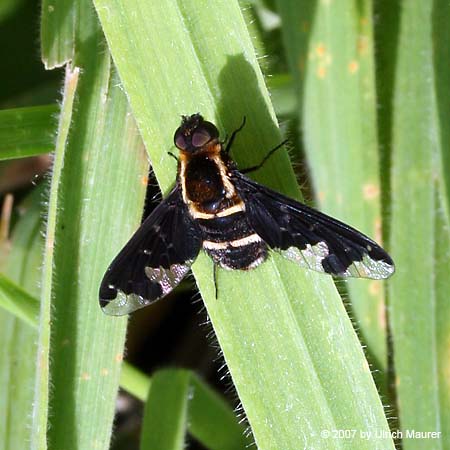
[
  {"x": 200, "y": 138},
  {"x": 180, "y": 140}
]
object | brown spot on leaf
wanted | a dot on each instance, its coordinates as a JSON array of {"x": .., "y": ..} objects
[
  {"x": 320, "y": 50},
  {"x": 363, "y": 45},
  {"x": 321, "y": 72},
  {"x": 371, "y": 191},
  {"x": 378, "y": 232},
  {"x": 374, "y": 288},
  {"x": 353, "y": 67}
]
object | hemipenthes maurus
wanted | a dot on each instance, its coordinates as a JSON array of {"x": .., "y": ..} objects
[{"x": 236, "y": 221}]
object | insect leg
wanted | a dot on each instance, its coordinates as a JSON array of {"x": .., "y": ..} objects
[
  {"x": 253, "y": 168},
  {"x": 215, "y": 282},
  {"x": 173, "y": 156},
  {"x": 233, "y": 135}
]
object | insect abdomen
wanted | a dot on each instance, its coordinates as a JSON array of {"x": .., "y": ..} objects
[{"x": 232, "y": 243}]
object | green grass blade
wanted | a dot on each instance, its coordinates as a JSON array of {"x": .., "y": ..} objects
[
  {"x": 441, "y": 61},
  {"x": 84, "y": 210},
  {"x": 11, "y": 294},
  {"x": 211, "y": 420},
  {"x": 331, "y": 58},
  {"x": 27, "y": 131},
  {"x": 18, "y": 357},
  {"x": 441, "y": 19},
  {"x": 58, "y": 31},
  {"x": 418, "y": 242},
  {"x": 134, "y": 381},
  {"x": 166, "y": 411},
  {"x": 94, "y": 202},
  {"x": 386, "y": 33},
  {"x": 442, "y": 264},
  {"x": 277, "y": 322},
  {"x": 179, "y": 402},
  {"x": 66, "y": 27},
  {"x": 282, "y": 93},
  {"x": 41, "y": 398}
]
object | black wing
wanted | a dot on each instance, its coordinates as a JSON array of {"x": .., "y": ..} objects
[
  {"x": 310, "y": 238},
  {"x": 154, "y": 260}
]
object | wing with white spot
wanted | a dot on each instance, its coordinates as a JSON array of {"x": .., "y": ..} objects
[
  {"x": 154, "y": 260},
  {"x": 310, "y": 238}
]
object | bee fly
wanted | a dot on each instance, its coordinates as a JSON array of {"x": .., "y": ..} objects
[{"x": 235, "y": 220}]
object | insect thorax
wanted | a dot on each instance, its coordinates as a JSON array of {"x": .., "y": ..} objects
[
  {"x": 203, "y": 184},
  {"x": 220, "y": 212}
]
